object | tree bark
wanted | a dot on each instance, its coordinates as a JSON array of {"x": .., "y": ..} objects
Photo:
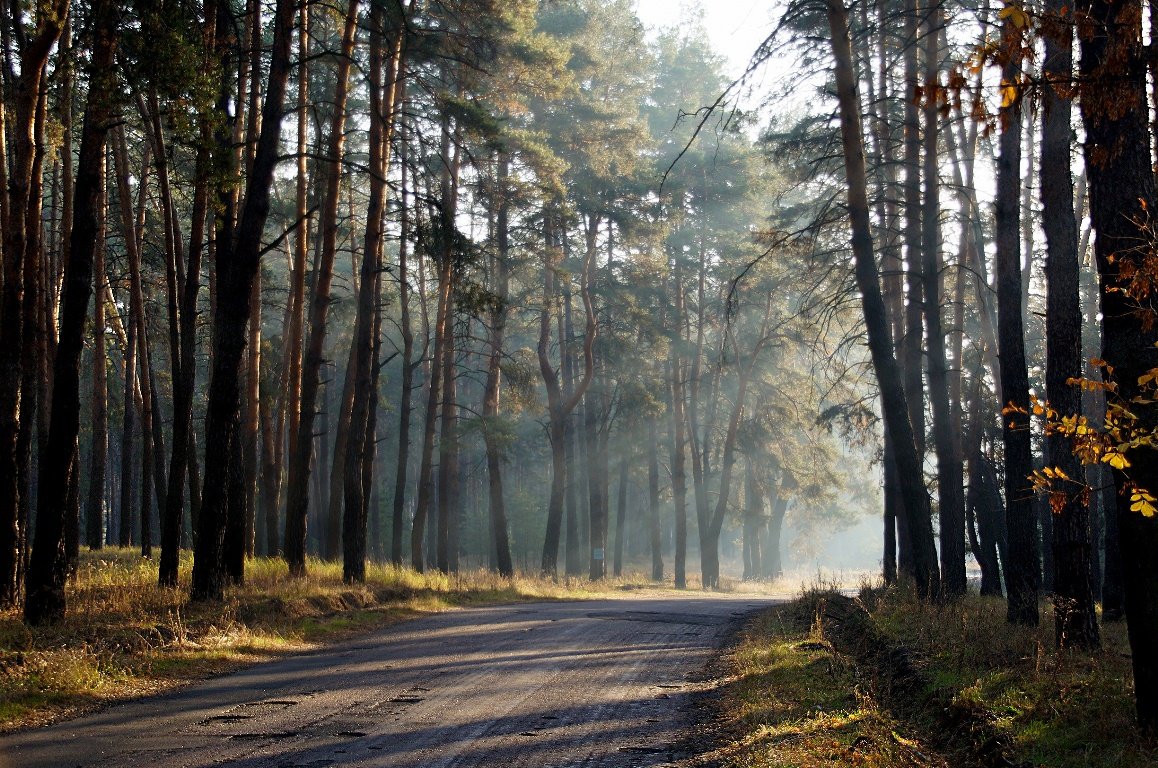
[
  {"x": 1021, "y": 564},
  {"x": 96, "y": 508},
  {"x": 654, "y": 529},
  {"x": 1075, "y": 623},
  {"x": 894, "y": 403},
  {"x": 1121, "y": 184},
  {"x": 950, "y": 473},
  {"x": 620, "y": 516},
  {"x": 911, "y": 347},
  {"x": 498, "y": 324},
  {"x": 297, "y": 293},
  {"x": 47, "y": 569},
  {"x": 408, "y": 366},
  {"x": 298, "y": 488},
  {"x": 24, "y": 98},
  {"x": 559, "y": 405},
  {"x": 239, "y": 256}
]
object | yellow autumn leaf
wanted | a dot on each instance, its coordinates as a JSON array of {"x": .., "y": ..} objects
[
  {"x": 1116, "y": 460},
  {"x": 1146, "y": 508},
  {"x": 1008, "y": 94},
  {"x": 1016, "y": 16}
]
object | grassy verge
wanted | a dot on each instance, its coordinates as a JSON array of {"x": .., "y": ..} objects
[
  {"x": 125, "y": 637},
  {"x": 820, "y": 682}
]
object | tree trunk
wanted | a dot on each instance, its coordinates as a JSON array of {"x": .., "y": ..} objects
[
  {"x": 654, "y": 531},
  {"x": 130, "y": 403},
  {"x": 448, "y": 452},
  {"x": 99, "y": 445},
  {"x": 773, "y": 560},
  {"x": 408, "y": 365},
  {"x": 1021, "y": 564},
  {"x": 574, "y": 447},
  {"x": 560, "y": 406},
  {"x": 679, "y": 490},
  {"x": 430, "y": 423},
  {"x": 1074, "y": 611},
  {"x": 911, "y": 346},
  {"x": 498, "y": 324},
  {"x": 172, "y": 509},
  {"x": 24, "y": 96},
  {"x": 893, "y": 398},
  {"x": 47, "y": 569},
  {"x": 298, "y": 489},
  {"x": 950, "y": 494},
  {"x": 251, "y": 422},
  {"x": 384, "y": 91},
  {"x": 332, "y": 512},
  {"x": 620, "y": 516},
  {"x": 238, "y": 259},
  {"x": 753, "y": 512},
  {"x": 1121, "y": 185},
  {"x": 297, "y": 292},
  {"x": 983, "y": 501}
]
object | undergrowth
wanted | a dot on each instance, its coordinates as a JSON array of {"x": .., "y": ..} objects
[
  {"x": 795, "y": 700},
  {"x": 1056, "y": 708},
  {"x": 987, "y": 693}
]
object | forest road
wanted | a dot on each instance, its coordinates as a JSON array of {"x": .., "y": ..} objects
[{"x": 548, "y": 685}]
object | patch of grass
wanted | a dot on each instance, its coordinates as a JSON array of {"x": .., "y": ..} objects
[
  {"x": 1061, "y": 709},
  {"x": 123, "y": 636},
  {"x": 794, "y": 700}
]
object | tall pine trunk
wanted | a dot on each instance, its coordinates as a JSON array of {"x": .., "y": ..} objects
[
  {"x": 47, "y": 568},
  {"x": 655, "y": 535},
  {"x": 950, "y": 480},
  {"x": 24, "y": 98},
  {"x": 895, "y": 406},
  {"x": 96, "y": 507},
  {"x": 405, "y": 408},
  {"x": 498, "y": 324},
  {"x": 1021, "y": 563},
  {"x": 560, "y": 405},
  {"x": 1121, "y": 184},
  {"x": 298, "y": 487},
  {"x": 1075, "y": 623},
  {"x": 239, "y": 255}
]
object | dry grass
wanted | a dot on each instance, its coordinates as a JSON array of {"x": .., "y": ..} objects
[
  {"x": 796, "y": 700},
  {"x": 124, "y": 637},
  {"x": 1063, "y": 709}
]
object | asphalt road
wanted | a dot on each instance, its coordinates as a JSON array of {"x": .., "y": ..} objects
[{"x": 548, "y": 685}]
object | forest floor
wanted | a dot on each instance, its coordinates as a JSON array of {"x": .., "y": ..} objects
[
  {"x": 124, "y": 637},
  {"x": 882, "y": 680}
]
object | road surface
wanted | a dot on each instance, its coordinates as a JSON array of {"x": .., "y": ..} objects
[{"x": 543, "y": 685}]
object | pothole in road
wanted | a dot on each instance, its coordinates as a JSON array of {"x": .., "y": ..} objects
[
  {"x": 406, "y": 698},
  {"x": 645, "y": 750},
  {"x": 661, "y": 618},
  {"x": 226, "y": 719},
  {"x": 271, "y": 735}
]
